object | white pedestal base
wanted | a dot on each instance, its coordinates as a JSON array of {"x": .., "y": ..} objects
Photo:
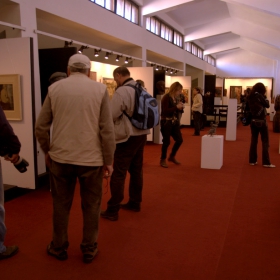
[{"x": 212, "y": 148}]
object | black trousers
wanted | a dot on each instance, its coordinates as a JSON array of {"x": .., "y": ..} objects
[
  {"x": 169, "y": 128},
  {"x": 196, "y": 122},
  {"x": 128, "y": 157},
  {"x": 262, "y": 129}
]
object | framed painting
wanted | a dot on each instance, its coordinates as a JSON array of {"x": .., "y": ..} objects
[
  {"x": 185, "y": 92},
  {"x": 225, "y": 92},
  {"x": 235, "y": 92},
  {"x": 10, "y": 96},
  {"x": 111, "y": 85},
  {"x": 218, "y": 92}
]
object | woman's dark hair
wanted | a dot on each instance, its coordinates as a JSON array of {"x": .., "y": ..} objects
[
  {"x": 198, "y": 89},
  {"x": 259, "y": 87}
]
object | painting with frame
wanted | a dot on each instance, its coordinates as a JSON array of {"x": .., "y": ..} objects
[
  {"x": 111, "y": 85},
  {"x": 10, "y": 96},
  {"x": 235, "y": 93},
  {"x": 218, "y": 92}
]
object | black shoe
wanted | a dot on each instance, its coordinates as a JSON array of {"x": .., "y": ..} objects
[
  {"x": 174, "y": 160},
  {"x": 109, "y": 216},
  {"x": 135, "y": 207},
  {"x": 60, "y": 254},
  {"x": 10, "y": 251},
  {"x": 89, "y": 254}
]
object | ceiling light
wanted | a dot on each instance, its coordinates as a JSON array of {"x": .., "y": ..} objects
[
  {"x": 82, "y": 48},
  {"x": 67, "y": 44},
  {"x": 167, "y": 69},
  {"x": 171, "y": 71},
  {"x": 156, "y": 67},
  {"x": 107, "y": 55},
  {"x": 126, "y": 60},
  {"x": 118, "y": 57},
  {"x": 96, "y": 52}
]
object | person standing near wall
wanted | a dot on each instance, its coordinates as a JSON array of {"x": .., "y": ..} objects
[
  {"x": 82, "y": 147},
  {"x": 258, "y": 104},
  {"x": 171, "y": 108},
  {"x": 197, "y": 110},
  {"x": 9, "y": 145},
  {"x": 129, "y": 149}
]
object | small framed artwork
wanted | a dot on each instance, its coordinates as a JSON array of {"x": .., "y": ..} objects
[
  {"x": 185, "y": 92},
  {"x": 10, "y": 96},
  {"x": 111, "y": 85},
  {"x": 235, "y": 92},
  {"x": 225, "y": 92},
  {"x": 218, "y": 92}
]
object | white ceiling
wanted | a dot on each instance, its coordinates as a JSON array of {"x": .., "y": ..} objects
[{"x": 221, "y": 25}]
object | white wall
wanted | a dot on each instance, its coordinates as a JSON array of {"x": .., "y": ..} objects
[{"x": 15, "y": 59}]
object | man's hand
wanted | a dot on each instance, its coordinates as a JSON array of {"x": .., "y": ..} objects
[
  {"x": 13, "y": 159},
  {"x": 108, "y": 170}
]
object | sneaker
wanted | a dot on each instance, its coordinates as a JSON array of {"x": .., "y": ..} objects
[
  {"x": 253, "y": 163},
  {"x": 60, "y": 254},
  {"x": 10, "y": 251},
  {"x": 269, "y": 165},
  {"x": 89, "y": 254},
  {"x": 109, "y": 216},
  {"x": 163, "y": 163},
  {"x": 173, "y": 159},
  {"x": 135, "y": 207}
]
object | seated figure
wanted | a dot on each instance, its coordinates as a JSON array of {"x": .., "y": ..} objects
[{"x": 276, "y": 118}]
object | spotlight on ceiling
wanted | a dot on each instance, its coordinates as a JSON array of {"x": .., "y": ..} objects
[
  {"x": 67, "y": 44},
  {"x": 156, "y": 67},
  {"x": 118, "y": 57},
  {"x": 166, "y": 70},
  {"x": 82, "y": 48},
  {"x": 152, "y": 64},
  {"x": 107, "y": 55},
  {"x": 126, "y": 60},
  {"x": 171, "y": 71},
  {"x": 96, "y": 52}
]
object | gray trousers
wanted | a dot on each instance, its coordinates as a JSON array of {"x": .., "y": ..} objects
[{"x": 63, "y": 179}]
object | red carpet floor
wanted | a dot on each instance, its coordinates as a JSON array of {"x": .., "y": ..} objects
[{"x": 195, "y": 223}]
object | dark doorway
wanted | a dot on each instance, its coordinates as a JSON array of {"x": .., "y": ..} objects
[
  {"x": 50, "y": 61},
  {"x": 159, "y": 82}
]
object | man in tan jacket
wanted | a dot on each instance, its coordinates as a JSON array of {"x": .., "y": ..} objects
[
  {"x": 82, "y": 146},
  {"x": 129, "y": 149}
]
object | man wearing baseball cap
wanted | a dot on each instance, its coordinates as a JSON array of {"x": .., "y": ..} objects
[{"x": 82, "y": 147}]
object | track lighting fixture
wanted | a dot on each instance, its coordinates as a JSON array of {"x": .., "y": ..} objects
[
  {"x": 126, "y": 60},
  {"x": 82, "y": 48},
  {"x": 96, "y": 52},
  {"x": 67, "y": 44},
  {"x": 118, "y": 57},
  {"x": 166, "y": 70},
  {"x": 156, "y": 68},
  {"x": 171, "y": 71},
  {"x": 107, "y": 55}
]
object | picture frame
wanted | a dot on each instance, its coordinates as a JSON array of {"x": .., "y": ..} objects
[
  {"x": 111, "y": 85},
  {"x": 235, "y": 93},
  {"x": 10, "y": 96},
  {"x": 218, "y": 92},
  {"x": 185, "y": 92},
  {"x": 225, "y": 92}
]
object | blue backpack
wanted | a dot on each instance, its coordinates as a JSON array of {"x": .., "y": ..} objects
[{"x": 145, "y": 114}]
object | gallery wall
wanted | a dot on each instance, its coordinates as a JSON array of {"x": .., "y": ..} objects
[{"x": 15, "y": 58}]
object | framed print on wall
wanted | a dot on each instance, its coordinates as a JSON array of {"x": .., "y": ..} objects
[
  {"x": 10, "y": 96},
  {"x": 218, "y": 92},
  {"x": 111, "y": 85},
  {"x": 185, "y": 92},
  {"x": 235, "y": 92}
]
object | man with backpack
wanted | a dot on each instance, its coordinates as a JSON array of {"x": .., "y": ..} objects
[{"x": 129, "y": 149}]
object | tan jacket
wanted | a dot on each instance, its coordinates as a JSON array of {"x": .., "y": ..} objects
[
  {"x": 123, "y": 100},
  {"x": 197, "y": 103},
  {"x": 83, "y": 132}
]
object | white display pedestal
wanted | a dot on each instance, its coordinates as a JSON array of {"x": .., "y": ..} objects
[
  {"x": 212, "y": 148},
  {"x": 231, "y": 120}
]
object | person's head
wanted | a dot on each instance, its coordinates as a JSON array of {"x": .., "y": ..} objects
[
  {"x": 260, "y": 88},
  {"x": 141, "y": 83},
  {"x": 57, "y": 76},
  {"x": 175, "y": 89},
  {"x": 120, "y": 75},
  {"x": 79, "y": 63},
  {"x": 197, "y": 90},
  {"x": 160, "y": 87}
]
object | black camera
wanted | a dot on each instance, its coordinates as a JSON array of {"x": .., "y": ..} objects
[{"x": 21, "y": 165}]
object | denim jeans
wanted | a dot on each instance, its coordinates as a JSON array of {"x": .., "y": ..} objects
[
  {"x": 169, "y": 128},
  {"x": 63, "y": 179},
  {"x": 262, "y": 129},
  {"x": 128, "y": 157},
  {"x": 2, "y": 214}
]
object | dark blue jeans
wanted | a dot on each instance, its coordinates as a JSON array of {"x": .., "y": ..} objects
[
  {"x": 262, "y": 129},
  {"x": 128, "y": 157},
  {"x": 169, "y": 128}
]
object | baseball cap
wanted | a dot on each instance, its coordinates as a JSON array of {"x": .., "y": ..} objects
[{"x": 80, "y": 61}]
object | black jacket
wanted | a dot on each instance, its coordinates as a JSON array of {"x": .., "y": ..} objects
[
  {"x": 9, "y": 143},
  {"x": 258, "y": 103}
]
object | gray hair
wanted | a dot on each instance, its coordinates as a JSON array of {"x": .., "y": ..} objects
[{"x": 74, "y": 69}]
